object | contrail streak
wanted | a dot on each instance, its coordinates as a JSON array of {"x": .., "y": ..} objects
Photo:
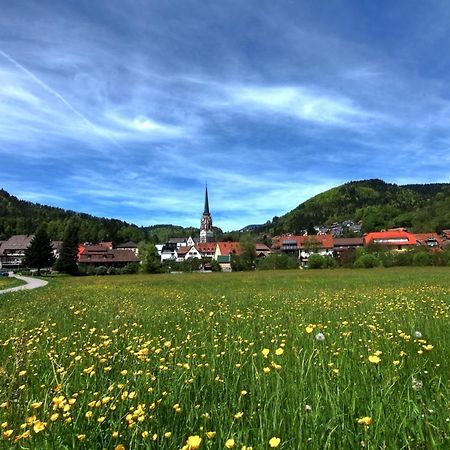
[{"x": 51, "y": 91}]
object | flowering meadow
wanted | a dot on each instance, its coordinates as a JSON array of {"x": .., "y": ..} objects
[
  {"x": 291, "y": 360},
  {"x": 6, "y": 282}
]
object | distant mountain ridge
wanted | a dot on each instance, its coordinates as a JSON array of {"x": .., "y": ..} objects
[
  {"x": 24, "y": 217},
  {"x": 377, "y": 204}
]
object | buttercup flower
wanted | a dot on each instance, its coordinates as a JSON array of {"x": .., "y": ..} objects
[
  {"x": 274, "y": 442},
  {"x": 193, "y": 442},
  {"x": 366, "y": 421}
]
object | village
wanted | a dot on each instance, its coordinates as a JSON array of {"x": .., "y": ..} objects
[{"x": 327, "y": 242}]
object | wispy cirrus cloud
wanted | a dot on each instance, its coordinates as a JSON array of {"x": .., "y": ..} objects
[{"x": 126, "y": 108}]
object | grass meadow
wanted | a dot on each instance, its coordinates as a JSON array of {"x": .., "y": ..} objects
[
  {"x": 338, "y": 359},
  {"x": 7, "y": 282}
]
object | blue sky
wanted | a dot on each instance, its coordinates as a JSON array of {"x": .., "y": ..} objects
[{"x": 126, "y": 109}]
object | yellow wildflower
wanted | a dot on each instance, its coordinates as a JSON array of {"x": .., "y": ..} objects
[
  {"x": 274, "y": 442},
  {"x": 374, "y": 359},
  {"x": 279, "y": 351},
  {"x": 39, "y": 426},
  {"x": 366, "y": 421},
  {"x": 54, "y": 417},
  {"x": 193, "y": 442},
  {"x": 265, "y": 352},
  {"x": 229, "y": 443},
  {"x": 210, "y": 434}
]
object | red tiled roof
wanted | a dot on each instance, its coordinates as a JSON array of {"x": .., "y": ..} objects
[
  {"x": 390, "y": 237},
  {"x": 206, "y": 247},
  {"x": 421, "y": 238},
  {"x": 227, "y": 248}
]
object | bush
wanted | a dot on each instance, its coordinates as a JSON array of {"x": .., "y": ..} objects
[
  {"x": 421, "y": 259},
  {"x": 130, "y": 268},
  {"x": 403, "y": 258},
  {"x": 367, "y": 261},
  {"x": 329, "y": 262},
  {"x": 215, "y": 266},
  {"x": 316, "y": 261},
  {"x": 387, "y": 259},
  {"x": 278, "y": 262},
  {"x": 101, "y": 270}
]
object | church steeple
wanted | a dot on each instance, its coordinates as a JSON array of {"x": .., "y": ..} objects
[
  {"x": 206, "y": 210},
  {"x": 206, "y": 231}
]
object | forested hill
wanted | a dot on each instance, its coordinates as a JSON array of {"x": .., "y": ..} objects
[
  {"x": 422, "y": 207},
  {"x": 23, "y": 217}
]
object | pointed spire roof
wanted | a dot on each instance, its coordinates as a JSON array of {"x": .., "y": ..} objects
[{"x": 206, "y": 210}]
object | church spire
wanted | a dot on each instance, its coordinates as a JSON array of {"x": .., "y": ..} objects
[
  {"x": 206, "y": 210},
  {"x": 206, "y": 231}
]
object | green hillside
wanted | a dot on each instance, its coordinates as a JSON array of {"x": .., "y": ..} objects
[
  {"x": 23, "y": 217},
  {"x": 422, "y": 207}
]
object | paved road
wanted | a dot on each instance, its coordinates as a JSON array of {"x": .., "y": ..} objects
[{"x": 31, "y": 283}]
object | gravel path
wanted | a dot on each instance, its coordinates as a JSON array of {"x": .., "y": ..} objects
[{"x": 31, "y": 283}]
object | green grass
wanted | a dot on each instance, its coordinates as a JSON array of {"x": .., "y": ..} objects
[
  {"x": 142, "y": 356},
  {"x": 9, "y": 282}
]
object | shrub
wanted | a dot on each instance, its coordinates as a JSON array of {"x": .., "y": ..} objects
[
  {"x": 277, "y": 262},
  {"x": 403, "y": 258},
  {"x": 130, "y": 268},
  {"x": 329, "y": 262},
  {"x": 101, "y": 270},
  {"x": 316, "y": 261},
  {"x": 421, "y": 259},
  {"x": 367, "y": 261}
]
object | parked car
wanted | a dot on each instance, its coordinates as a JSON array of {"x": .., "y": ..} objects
[{"x": 4, "y": 273}]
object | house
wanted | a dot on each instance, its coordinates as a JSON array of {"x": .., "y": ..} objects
[
  {"x": 182, "y": 242},
  {"x": 321, "y": 244},
  {"x": 303, "y": 246},
  {"x": 207, "y": 249},
  {"x": 12, "y": 251},
  {"x": 431, "y": 240},
  {"x": 130, "y": 245},
  {"x": 188, "y": 252},
  {"x": 226, "y": 249},
  {"x": 169, "y": 252},
  {"x": 56, "y": 245},
  {"x": 102, "y": 255},
  {"x": 344, "y": 244},
  {"x": 262, "y": 250},
  {"x": 395, "y": 239}
]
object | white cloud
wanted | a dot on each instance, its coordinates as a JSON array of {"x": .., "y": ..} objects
[{"x": 303, "y": 103}]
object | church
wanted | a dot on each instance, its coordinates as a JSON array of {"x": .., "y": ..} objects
[{"x": 206, "y": 230}]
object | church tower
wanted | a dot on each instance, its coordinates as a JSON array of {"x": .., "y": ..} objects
[{"x": 206, "y": 231}]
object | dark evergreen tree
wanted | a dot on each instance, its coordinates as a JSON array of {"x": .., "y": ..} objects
[
  {"x": 151, "y": 261},
  {"x": 68, "y": 255},
  {"x": 39, "y": 254}
]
